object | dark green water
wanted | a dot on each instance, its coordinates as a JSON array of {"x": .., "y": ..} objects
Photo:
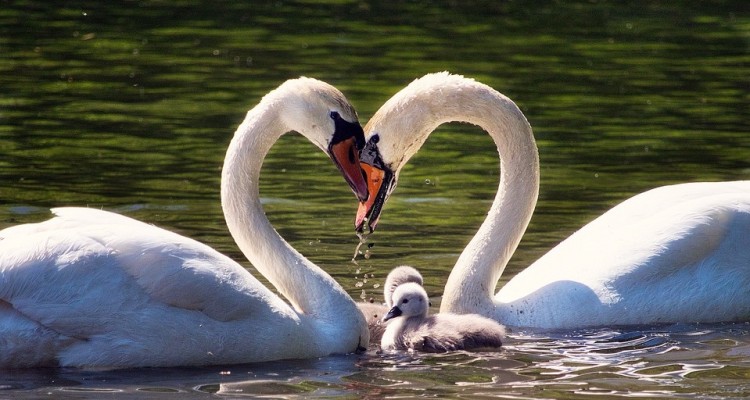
[{"x": 129, "y": 106}]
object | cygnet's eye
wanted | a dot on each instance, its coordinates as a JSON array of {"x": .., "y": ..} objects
[
  {"x": 335, "y": 115},
  {"x": 405, "y": 301}
]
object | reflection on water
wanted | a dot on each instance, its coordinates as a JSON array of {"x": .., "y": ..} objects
[
  {"x": 671, "y": 361},
  {"x": 130, "y": 107}
]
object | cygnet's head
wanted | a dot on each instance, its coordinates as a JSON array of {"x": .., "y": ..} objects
[
  {"x": 398, "y": 276},
  {"x": 409, "y": 300}
]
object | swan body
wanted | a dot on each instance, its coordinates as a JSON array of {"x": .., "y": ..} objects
[
  {"x": 90, "y": 288},
  {"x": 413, "y": 329},
  {"x": 673, "y": 254},
  {"x": 374, "y": 312}
]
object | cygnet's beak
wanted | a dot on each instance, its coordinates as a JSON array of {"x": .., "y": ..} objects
[{"x": 393, "y": 313}]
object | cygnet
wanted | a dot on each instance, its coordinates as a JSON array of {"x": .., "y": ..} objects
[
  {"x": 375, "y": 312},
  {"x": 412, "y": 329}
]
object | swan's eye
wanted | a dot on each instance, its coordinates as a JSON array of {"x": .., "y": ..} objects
[
  {"x": 375, "y": 138},
  {"x": 335, "y": 115}
]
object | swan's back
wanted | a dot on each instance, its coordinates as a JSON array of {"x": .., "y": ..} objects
[
  {"x": 90, "y": 287},
  {"x": 686, "y": 245},
  {"x": 98, "y": 246}
]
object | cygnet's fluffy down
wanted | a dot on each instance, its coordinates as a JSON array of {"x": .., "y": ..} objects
[
  {"x": 375, "y": 312},
  {"x": 412, "y": 329}
]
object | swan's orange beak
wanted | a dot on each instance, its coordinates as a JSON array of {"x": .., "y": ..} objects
[
  {"x": 378, "y": 184},
  {"x": 346, "y": 157}
]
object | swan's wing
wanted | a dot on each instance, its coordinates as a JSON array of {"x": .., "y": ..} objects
[
  {"x": 25, "y": 342},
  {"x": 82, "y": 271},
  {"x": 675, "y": 253},
  {"x": 644, "y": 206},
  {"x": 657, "y": 231}
]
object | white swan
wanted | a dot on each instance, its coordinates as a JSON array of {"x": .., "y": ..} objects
[
  {"x": 90, "y": 288},
  {"x": 412, "y": 329},
  {"x": 673, "y": 254},
  {"x": 374, "y": 312}
]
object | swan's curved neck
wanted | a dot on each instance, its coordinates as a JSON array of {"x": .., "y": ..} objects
[
  {"x": 472, "y": 282},
  {"x": 309, "y": 289}
]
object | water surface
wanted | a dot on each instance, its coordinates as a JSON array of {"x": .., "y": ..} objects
[{"x": 129, "y": 107}]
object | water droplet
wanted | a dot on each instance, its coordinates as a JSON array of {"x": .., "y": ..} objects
[
  {"x": 358, "y": 284},
  {"x": 362, "y": 240},
  {"x": 427, "y": 181},
  {"x": 363, "y": 295},
  {"x": 375, "y": 286}
]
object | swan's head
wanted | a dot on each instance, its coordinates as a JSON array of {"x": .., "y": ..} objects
[
  {"x": 322, "y": 113},
  {"x": 409, "y": 300},
  {"x": 395, "y": 133}
]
